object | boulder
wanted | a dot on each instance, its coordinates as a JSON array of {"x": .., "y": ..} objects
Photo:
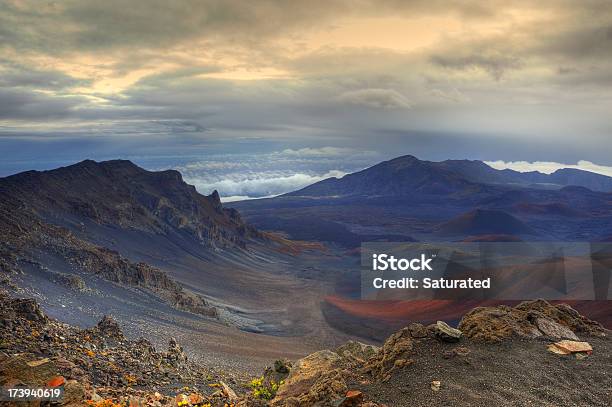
[
  {"x": 568, "y": 347},
  {"x": 555, "y": 330},
  {"x": 353, "y": 398},
  {"x": 109, "y": 328},
  {"x": 357, "y": 351},
  {"x": 446, "y": 333},
  {"x": 28, "y": 309},
  {"x": 418, "y": 331}
]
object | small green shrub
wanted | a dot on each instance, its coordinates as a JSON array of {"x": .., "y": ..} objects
[{"x": 263, "y": 389}]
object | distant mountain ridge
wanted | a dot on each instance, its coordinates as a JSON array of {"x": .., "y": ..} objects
[
  {"x": 408, "y": 175},
  {"x": 478, "y": 171},
  {"x": 460, "y": 199}
]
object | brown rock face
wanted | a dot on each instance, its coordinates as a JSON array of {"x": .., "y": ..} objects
[
  {"x": 529, "y": 319},
  {"x": 394, "y": 354},
  {"x": 314, "y": 380},
  {"x": 357, "y": 351}
]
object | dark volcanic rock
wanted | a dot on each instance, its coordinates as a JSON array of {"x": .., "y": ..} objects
[
  {"x": 109, "y": 328},
  {"x": 175, "y": 354},
  {"x": 43, "y": 216},
  {"x": 25, "y": 234},
  {"x": 128, "y": 197},
  {"x": 28, "y": 309}
]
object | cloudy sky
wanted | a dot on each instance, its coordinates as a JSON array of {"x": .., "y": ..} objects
[{"x": 259, "y": 97}]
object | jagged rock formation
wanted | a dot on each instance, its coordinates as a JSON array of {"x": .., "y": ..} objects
[
  {"x": 121, "y": 194},
  {"x": 41, "y": 214},
  {"x": 93, "y": 363},
  {"x": 24, "y": 235},
  {"x": 313, "y": 380},
  {"x": 417, "y": 366}
]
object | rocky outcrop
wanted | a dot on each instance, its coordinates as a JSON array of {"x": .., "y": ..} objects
[
  {"x": 394, "y": 354},
  {"x": 70, "y": 281},
  {"x": 326, "y": 378},
  {"x": 314, "y": 380},
  {"x": 91, "y": 364},
  {"x": 24, "y": 234},
  {"x": 175, "y": 354},
  {"x": 445, "y": 332},
  {"x": 127, "y": 197},
  {"x": 530, "y": 319},
  {"x": 108, "y": 328},
  {"x": 357, "y": 351},
  {"x": 22, "y": 308},
  {"x": 100, "y": 362}
]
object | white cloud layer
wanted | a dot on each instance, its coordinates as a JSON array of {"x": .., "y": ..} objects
[
  {"x": 265, "y": 184},
  {"x": 548, "y": 167}
]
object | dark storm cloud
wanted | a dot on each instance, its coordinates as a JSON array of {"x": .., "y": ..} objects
[
  {"x": 30, "y": 105},
  {"x": 376, "y": 98},
  {"x": 590, "y": 41},
  {"x": 91, "y": 24},
  {"x": 495, "y": 64},
  {"x": 12, "y": 75},
  {"x": 195, "y": 70}
]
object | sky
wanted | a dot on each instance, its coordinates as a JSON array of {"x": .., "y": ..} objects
[{"x": 257, "y": 98}]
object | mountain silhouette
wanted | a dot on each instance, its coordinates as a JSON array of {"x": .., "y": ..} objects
[
  {"x": 407, "y": 175},
  {"x": 420, "y": 200}
]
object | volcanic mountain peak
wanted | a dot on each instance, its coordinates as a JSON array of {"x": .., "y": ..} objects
[
  {"x": 401, "y": 176},
  {"x": 119, "y": 193},
  {"x": 407, "y": 175}
]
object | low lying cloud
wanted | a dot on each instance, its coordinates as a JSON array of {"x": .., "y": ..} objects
[
  {"x": 234, "y": 186},
  {"x": 239, "y": 176},
  {"x": 548, "y": 167}
]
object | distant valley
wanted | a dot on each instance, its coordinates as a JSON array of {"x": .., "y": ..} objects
[{"x": 98, "y": 238}]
